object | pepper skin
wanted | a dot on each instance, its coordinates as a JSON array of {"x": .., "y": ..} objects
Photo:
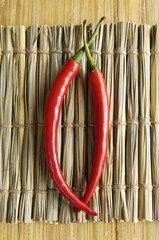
[
  {"x": 101, "y": 127},
  {"x": 51, "y": 120}
]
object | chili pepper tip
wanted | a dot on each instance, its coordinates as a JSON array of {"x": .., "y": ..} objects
[{"x": 103, "y": 18}]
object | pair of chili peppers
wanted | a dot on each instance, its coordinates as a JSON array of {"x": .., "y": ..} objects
[{"x": 101, "y": 123}]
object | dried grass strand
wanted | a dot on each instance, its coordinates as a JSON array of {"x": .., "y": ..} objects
[
  {"x": 6, "y": 92},
  {"x": 145, "y": 194},
  {"x": 18, "y": 117},
  {"x": 132, "y": 110},
  {"x": 119, "y": 196},
  {"x": 107, "y": 174},
  {"x": 28, "y": 151},
  {"x": 155, "y": 120},
  {"x": 42, "y": 88}
]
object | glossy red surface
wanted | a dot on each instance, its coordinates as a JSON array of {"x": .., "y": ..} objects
[
  {"x": 51, "y": 120},
  {"x": 101, "y": 129}
]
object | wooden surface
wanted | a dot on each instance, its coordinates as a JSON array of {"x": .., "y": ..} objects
[{"x": 66, "y": 12}]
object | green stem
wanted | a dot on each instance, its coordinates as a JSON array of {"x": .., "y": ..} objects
[
  {"x": 77, "y": 57},
  {"x": 92, "y": 65}
]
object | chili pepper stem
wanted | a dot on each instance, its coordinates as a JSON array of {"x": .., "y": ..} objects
[
  {"x": 77, "y": 57},
  {"x": 92, "y": 65}
]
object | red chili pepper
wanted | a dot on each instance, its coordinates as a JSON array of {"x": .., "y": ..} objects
[
  {"x": 51, "y": 119},
  {"x": 101, "y": 122}
]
